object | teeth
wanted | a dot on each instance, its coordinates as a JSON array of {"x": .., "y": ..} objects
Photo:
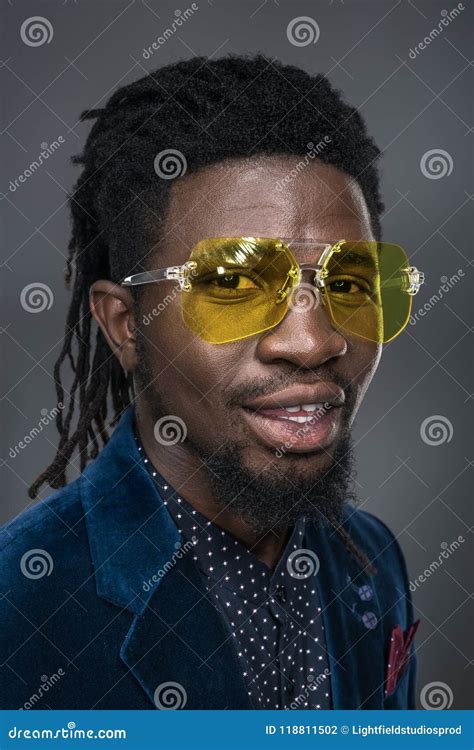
[
  {"x": 301, "y": 420},
  {"x": 303, "y": 407},
  {"x": 310, "y": 408}
]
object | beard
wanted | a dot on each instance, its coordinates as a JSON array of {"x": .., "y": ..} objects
[{"x": 276, "y": 498}]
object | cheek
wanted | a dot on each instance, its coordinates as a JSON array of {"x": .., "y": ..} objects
[
  {"x": 188, "y": 373},
  {"x": 363, "y": 358}
]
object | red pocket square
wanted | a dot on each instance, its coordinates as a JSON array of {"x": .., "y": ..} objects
[{"x": 398, "y": 655}]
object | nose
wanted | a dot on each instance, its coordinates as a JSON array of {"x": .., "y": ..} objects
[{"x": 306, "y": 336}]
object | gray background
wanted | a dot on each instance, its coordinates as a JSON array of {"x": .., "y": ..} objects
[{"x": 412, "y": 106}]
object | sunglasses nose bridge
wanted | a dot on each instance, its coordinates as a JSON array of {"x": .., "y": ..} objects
[{"x": 316, "y": 278}]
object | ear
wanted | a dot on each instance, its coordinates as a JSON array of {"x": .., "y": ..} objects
[{"x": 112, "y": 307}]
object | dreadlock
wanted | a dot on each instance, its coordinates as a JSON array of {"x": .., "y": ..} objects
[{"x": 209, "y": 110}]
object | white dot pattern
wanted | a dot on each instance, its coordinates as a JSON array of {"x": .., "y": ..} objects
[{"x": 274, "y": 618}]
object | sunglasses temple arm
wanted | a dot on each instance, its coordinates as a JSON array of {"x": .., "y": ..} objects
[
  {"x": 180, "y": 273},
  {"x": 147, "y": 277},
  {"x": 410, "y": 283}
]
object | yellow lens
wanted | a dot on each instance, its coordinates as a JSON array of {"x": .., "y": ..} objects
[
  {"x": 365, "y": 289},
  {"x": 239, "y": 287}
]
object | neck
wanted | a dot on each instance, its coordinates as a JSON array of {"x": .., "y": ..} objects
[{"x": 184, "y": 471}]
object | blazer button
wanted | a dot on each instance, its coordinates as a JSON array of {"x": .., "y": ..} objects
[
  {"x": 365, "y": 593},
  {"x": 370, "y": 620}
]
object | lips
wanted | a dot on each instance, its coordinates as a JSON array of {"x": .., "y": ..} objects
[
  {"x": 299, "y": 419},
  {"x": 300, "y": 395},
  {"x": 302, "y": 414}
]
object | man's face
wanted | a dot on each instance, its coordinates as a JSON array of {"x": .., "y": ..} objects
[{"x": 210, "y": 386}]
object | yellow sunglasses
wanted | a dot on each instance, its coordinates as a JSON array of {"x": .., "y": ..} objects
[{"x": 234, "y": 287}]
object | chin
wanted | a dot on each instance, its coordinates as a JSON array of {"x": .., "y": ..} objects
[{"x": 291, "y": 463}]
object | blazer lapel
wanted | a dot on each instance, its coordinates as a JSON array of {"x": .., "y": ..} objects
[
  {"x": 176, "y": 635},
  {"x": 180, "y": 650},
  {"x": 352, "y": 624}
]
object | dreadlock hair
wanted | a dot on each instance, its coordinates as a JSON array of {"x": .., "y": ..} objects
[{"x": 209, "y": 111}]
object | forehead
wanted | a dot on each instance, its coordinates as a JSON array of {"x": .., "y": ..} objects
[{"x": 272, "y": 196}]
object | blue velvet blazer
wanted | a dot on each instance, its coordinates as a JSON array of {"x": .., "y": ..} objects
[{"x": 87, "y": 612}]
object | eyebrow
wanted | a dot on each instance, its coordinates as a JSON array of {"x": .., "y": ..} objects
[
  {"x": 251, "y": 206},
  {"x": 359, "y": 259}
]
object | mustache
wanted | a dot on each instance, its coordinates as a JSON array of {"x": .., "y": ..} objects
[{"x": 268, "y": 386}]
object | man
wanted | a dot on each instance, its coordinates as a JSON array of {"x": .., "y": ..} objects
[{"x": 226, "y": 239}]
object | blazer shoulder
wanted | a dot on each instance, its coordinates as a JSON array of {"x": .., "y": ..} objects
[
  {"x": 44, "y": 554},
  {"x": 51, "y": 525}
]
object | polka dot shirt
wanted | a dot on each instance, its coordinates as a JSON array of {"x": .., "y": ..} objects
[{"x": 274, "y": 615}]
